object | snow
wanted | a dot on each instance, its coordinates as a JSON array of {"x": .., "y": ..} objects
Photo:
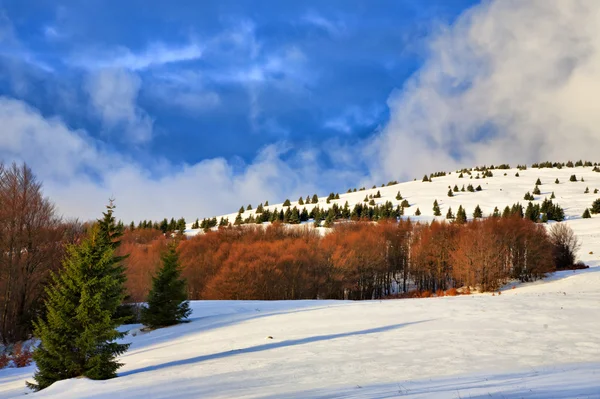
[{"x": 535, "y": 340}]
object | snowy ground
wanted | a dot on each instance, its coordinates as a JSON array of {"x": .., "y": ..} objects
[{"x": 538, "y": 340}]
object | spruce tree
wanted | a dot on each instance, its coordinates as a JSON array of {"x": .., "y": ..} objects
[
  {"x": 449, "y": 214},
  {"x": 418, "y": 212},
  {"x": 167, "y": 300},
  {"x": 538, "y": 182},
  {"x": 461, "y": 215},
  {"x": 287, "y": 203},
  {"x": 477, "y": 213},
  {"x": 398, "y": 196},
  {"x": 300, "y": 201},
  {"x": 436, "y": 209},
  {"x": 557, "y": 181},
  {"x": 586, "y": 214},
  {"x": 78, "y": 334},
  {"x": 450, "y": 193},
  {"x": 496, "y": 213}
]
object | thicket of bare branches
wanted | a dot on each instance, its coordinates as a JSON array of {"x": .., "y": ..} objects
[{"x": 32, "y": 240}]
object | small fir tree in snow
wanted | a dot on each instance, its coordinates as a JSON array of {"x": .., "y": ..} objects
[
  {"x": 287, "y": 203},
  {"x": 536, "y": 190},
  {"x": 167, "y": 300},
  {"x": 436, "y": 209},
  {"x": 300, "y": 201},
  {"x": 241, "y": 209},
  {"x": 418, "y": 212},
  {"x": 587, "y": 190},
  {"x": 517, "y": 174},
  {"x": 405, "y": 204},
  {"x": 449, "y": 214},
  {"x": 557, "y": 181},
  {"x": 552, "y": 196},
  {"x": 573, "y": 178},
  {"x": 477, "y": 213},
  {"x": 461, "y": 215},
  {"x": 595, "y": 208},
  {"x": 450, "y": 193},
  {"x": 398, "y": 196},
  {"x": 586, "y": 214},
  {"x": 315, "y": 199},
  {"x": 425, "y": 178},
  {"x": 496, "y": 213},
  {"x": 538, "y": 182},
  {"x": 478, "y": 188}
]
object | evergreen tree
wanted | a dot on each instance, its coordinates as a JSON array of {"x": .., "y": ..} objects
[
  {"x": 450, "y": 193},
  {"x": 517, "y": 174},
  {"x": 425, "y": 178},
  {"x": 586, "y": 214},
  {"x": 398, "y": 196},
  {"x": 337, "y": 196},
  {"x": 461, "y": 215},
  {"x": 449, "y": 214},
  {"x": 573, "y": 178},
  {"x": 405, "y": 204},
  {"x": 167, "y": 300},
  {"x": 78, "y": 334},
  {"x": 418, "y": 212},
  {"x": 595, "y": 208},
  {"x": 536, "y": 190},
  {"x": 132, "y": 226},
  {"x": 436, "y": 209},
  {"x": 315, "y": 199},
  {"x": 455, "y": 189},
  {"x": 552, "y": 196},
  {"x": 462, "y": 188},
  {"x": 506, "y": 212},
  {"x": 287, "y": 203},
  {"x": 587, "y": 190},
  {"x": 595, "y": 191},
  {"x": 496, "y": 213},
  {"x": 372, "y": 202},
  {"x": 307, "y": 199},
  {"x": 556, "y": 181},
  {"x": 477, "y": 213},
  {"x": 538, "y": 182},
  {"x": 242, "y": 210},
  {"x": 249, "y": 208},
  {"x": 300, "y": 201},
  {"x": 266, "y": 203},
  {"x": 478, "y": 188}
]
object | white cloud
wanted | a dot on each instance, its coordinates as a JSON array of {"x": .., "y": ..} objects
[
  {"x": 80, "y": 176},
  {"x": 510, "y": 81},
  {"x": 155, "y": 54},
  {"x": 113, "y": 94},
  {"x": 333, "y": 27}
]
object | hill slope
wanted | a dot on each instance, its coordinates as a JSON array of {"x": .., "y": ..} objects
[
  {"x": 497, "y": 191},
  {"x": 535, "y": 341}
]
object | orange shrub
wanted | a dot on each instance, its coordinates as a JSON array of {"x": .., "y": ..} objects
[
  {"x": 451, "y": 292},
  {"x": 426, "y": 294},
  {"x": 439, "y": 293},
  {"x": 22, "y": 356},
  {"x": 4, "y": 360}
]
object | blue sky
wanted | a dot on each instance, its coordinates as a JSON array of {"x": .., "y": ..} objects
[{"x": 246, "y": 90}]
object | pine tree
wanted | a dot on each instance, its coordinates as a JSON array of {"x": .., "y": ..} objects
[
  {"x": 536, "y": 190},
  {"x": 538, "y": 182},
  {"x": 557, "y": 181},
  {"x": 287, "y": 203},
  {"x": 398, "y": 196},
  {"x": 418, "y": 212},
  {"x": 517, "y": 174},
  {"x": 573, "y": 178},
  {"x": 315, "y": 199},
  {"x": 78, "y": 334},
  {"x": 307, "y": 200},
  {"x": 241, "y": 210},
  {"x": 455, "y": 189},
  {"x": 449, "y": 214},
  {"x": 436, "y": 209},
  {"x": 595, "y": 208},
  {"x": 425, "y": 178},
  {"x": 587, "y": 190},
  {"x": 477, "y": 213},
  {"x": 595, "y": 191},
  {"x": 167, "y": 300},
  {"x": 496, "y": 213},
  {"x": 266, "y": 203},
  {"x": 586, "y": 214},
  {"x": 300, "y": 201},
  {"x": 478, "y": 188},
  {"x": 450, "y": 193},
  {"x": 552, "y": 196},
  {"x": 461, "y": 215}
]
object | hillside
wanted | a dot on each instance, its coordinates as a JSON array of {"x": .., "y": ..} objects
[
  {"x": 503, "y": 189},
  {"x": 535, "y": 340}
]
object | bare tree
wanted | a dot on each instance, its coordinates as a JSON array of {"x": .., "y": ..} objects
[
  {"x": 30, "y": 244},
  {"x": 566, "y": 244}
]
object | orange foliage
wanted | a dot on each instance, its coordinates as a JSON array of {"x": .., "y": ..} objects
[{"x": 22, "y": 356}]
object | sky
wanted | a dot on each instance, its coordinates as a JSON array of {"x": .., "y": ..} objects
[{"x": 194, "y": 108}]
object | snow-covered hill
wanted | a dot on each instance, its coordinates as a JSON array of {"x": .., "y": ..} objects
[
  {"x": 503, "y": 189},
  {"x": 536, "y": 340}
]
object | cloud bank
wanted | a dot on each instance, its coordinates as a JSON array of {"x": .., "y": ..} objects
[{"x": 510, "y": 81}]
